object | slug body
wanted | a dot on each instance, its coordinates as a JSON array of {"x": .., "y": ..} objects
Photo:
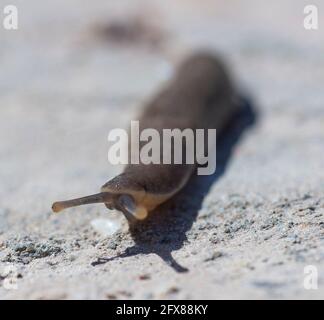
[{"x": 199, "y": 96}]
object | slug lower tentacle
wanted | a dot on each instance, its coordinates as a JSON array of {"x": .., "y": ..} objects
[{"x": 199, "y": 96}]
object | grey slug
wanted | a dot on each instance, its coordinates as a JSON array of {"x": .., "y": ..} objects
[{"x": 200, "y": 95}]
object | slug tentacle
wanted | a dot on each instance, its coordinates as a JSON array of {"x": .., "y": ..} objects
[{"x": 103, "y": 197}]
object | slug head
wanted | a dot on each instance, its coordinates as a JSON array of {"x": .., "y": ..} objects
[
  {"x": 115, "y": 195},
  {"x": 128, "y": 197}
]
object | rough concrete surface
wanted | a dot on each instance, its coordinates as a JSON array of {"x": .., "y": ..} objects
[{"x": 76, "y": 69}]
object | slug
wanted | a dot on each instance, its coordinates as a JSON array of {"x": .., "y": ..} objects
[{"x": 200, "y": 95}]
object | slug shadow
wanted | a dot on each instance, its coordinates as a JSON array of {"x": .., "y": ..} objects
[{"x": 165, "y": 229}]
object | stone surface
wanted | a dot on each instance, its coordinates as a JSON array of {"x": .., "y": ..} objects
[{"x": 72, "y": 72}]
